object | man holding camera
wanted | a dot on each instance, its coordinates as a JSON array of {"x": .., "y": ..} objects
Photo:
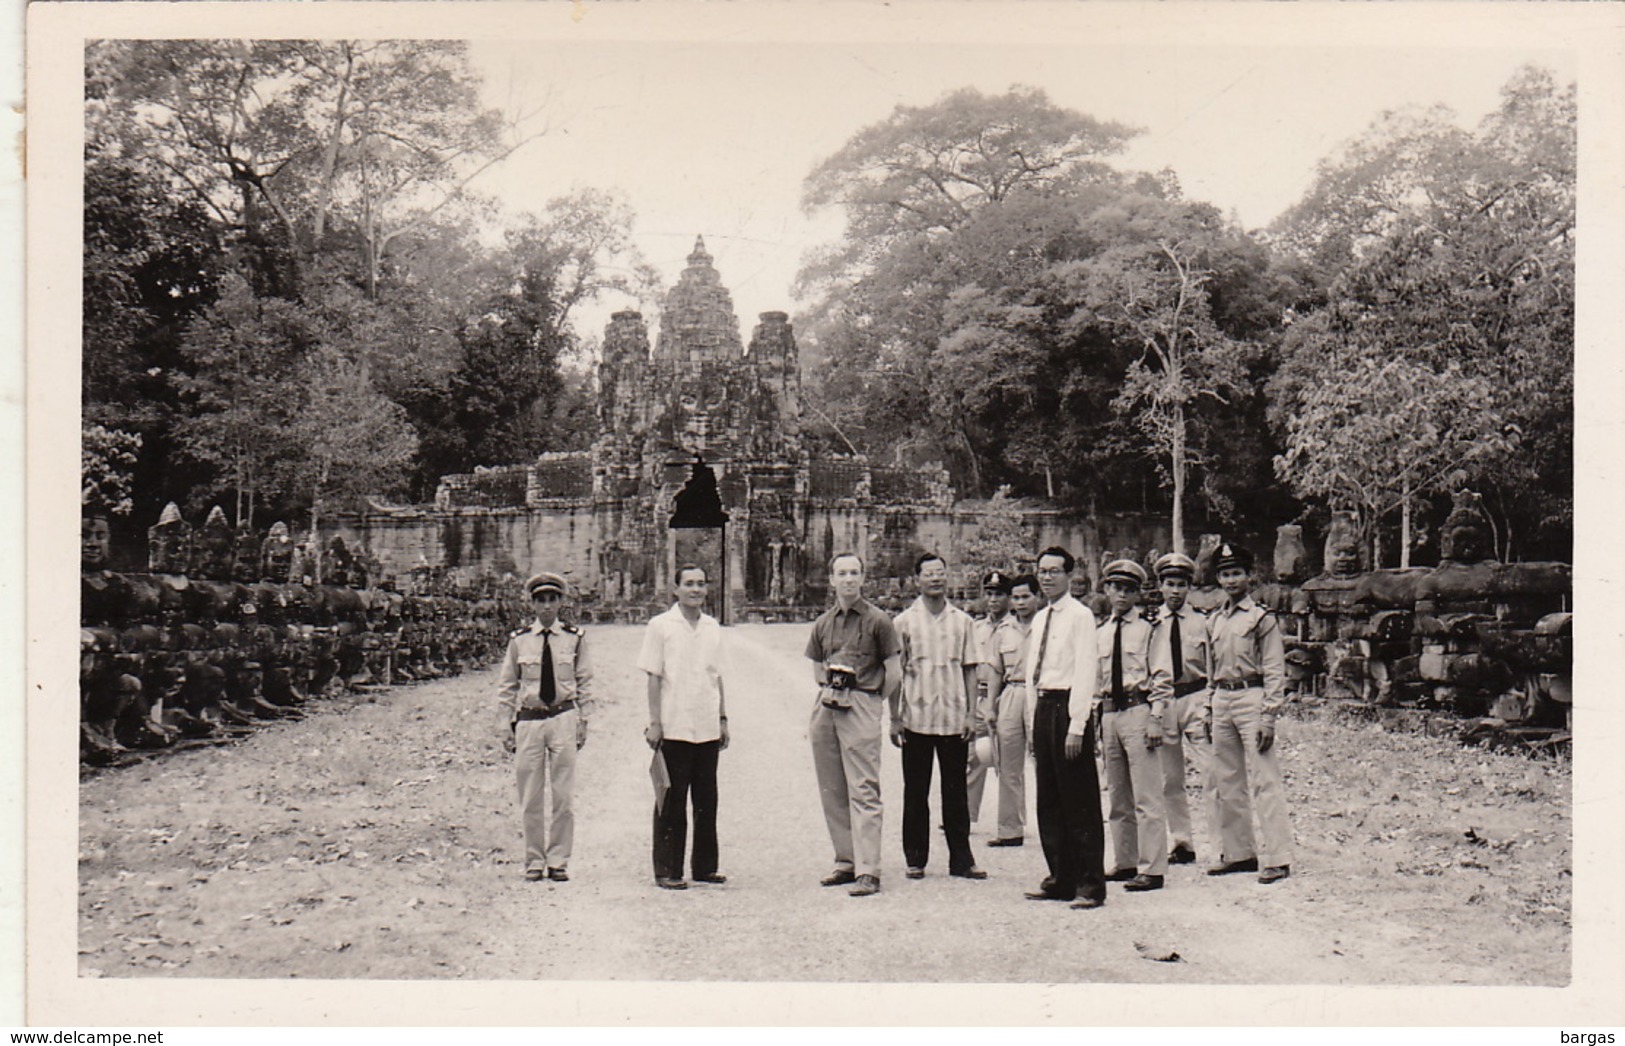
[{"x": 854, "y": 650}]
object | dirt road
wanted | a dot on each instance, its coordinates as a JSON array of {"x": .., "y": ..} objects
[{"x": 378, "y": 839}]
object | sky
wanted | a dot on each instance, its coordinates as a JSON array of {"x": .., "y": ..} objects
[{"x": 715, "y": 138}]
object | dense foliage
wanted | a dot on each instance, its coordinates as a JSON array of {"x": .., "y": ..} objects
[
  {"x": 292, "y": 298},
  {"x": 1008, "y": 303}
]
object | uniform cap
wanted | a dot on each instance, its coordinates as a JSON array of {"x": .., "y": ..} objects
[
  {"x": 546, "y": 581},
  {"x": 1233, "y": 556},
  {"x": 997, "y": 580},
  {"x": 1176, "y": 564},
  {"x": 1125, "y": 570}
]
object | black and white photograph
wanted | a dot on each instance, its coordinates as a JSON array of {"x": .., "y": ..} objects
[{"x": 783, "y": 513}]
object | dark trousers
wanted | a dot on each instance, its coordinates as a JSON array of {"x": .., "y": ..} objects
[
  {"x": 951, "y": 753},
  {"x": 692, "y": 767},
  {"x": 1069, "y": 824}
]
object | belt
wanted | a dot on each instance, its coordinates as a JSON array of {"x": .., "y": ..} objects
[
  {"x": 1244, "y": 683},
  {"x": 1189, "y": 686},
  {"x": 1062, "y": 694},
  {"x": 530, "y": 714},
  {"x": 1129, "y": 700}
]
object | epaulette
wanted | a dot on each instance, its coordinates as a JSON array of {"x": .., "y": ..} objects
[
  {"x": 516, "y": 633},
  {"x": 574, "y": 630}
]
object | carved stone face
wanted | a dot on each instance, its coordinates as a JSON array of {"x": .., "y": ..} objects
[
  {"x": 1343, "y": 545},
  {"x": 168, "y": 546},
  {"x": 1465, "y": 535},
  {"x": 276, "y": 557},
  {"x": 95, "y": 542},
  {"x": 214, "y": 547},
  {"x": 1464, "y": 543}
]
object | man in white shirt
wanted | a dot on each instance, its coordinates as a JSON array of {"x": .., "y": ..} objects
[
  {"x": 1061, "y": 667},
  {"x": 688, "y": 726}
]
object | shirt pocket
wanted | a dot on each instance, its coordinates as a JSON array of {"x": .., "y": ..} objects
[{"x": 530, "y": 667}]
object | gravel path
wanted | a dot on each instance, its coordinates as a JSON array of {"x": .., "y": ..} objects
[{"x": 378, "y": 839}]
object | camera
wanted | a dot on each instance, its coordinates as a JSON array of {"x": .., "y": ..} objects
[{"x": 837, "y": 692}]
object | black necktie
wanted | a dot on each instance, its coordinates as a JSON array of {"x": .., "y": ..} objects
[
  {"x": 1117, "y": 661},
  {"x": 550, "y": 689},
  {"x": 1177, "y": 650},
  {"x": 1043, "y": 645}
]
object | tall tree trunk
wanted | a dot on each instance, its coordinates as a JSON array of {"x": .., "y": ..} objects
[
  {"x": 1405, "y": 526},
  {"x": 1179, "y": 479},
  {"x": 330, "y": 154}
]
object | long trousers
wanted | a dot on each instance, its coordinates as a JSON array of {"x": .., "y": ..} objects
[
  {"x": 950, "y": 754},
  {"x": 846, "y": 758},
  {"x": 1134, "y": 778},
  {"x": 1247, "y": 782},
  {"x": 1010, "y": 757},
  {"x": 1176, "y": 803},
  {"x": 692, "y": 768},
  {"x": 1069, "y": 825},
  {"x": 545, "y": 754}
]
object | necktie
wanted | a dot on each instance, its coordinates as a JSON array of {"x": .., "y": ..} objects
[
  {"x": 550, "y": 689},
  {"x": 1043, "y": 644},
  {"x": 1176, "y": 650},
  {"x": 1117, "y": 661}
]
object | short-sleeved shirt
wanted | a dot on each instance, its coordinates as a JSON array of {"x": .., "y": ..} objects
[
  {"x": 936, "y": 650},
  {"x": 860, "y": 637},
  {"x": 1007, "y": 650},
  {"x": 688, "y": 659}
]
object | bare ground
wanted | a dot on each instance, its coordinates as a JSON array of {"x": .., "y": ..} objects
[{"x": 378, "y": 839}]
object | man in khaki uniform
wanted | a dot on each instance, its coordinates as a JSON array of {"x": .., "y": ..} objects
[
  {"x": 996, "y": 597},
  {"x": 1134, "y": 699},
  {"x": 545, "y": 696},
  {"x": 1180, "y": 633},
  {"x": 1245, "y": 696},
  {"x": 1011, "y": 712}
]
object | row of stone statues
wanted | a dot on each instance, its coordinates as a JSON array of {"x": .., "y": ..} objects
[
  {"x": 1474, "y": 635},
  {"x": 204, "y": 647}
]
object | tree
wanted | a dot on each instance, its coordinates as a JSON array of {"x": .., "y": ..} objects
[
  {"x": 1163, "y": 301},
  {"x": 1001, "y": 538},
  {"x": 352, "y": 440},
  {"x": 1375, "y": 433},
  {"x": 930, "y": 168},
  {"x": 242, "y": 393},
  {"x": 107, "y": 462},
  {"x": 288, "y": 140},
  {"x": 1470, "y": 266}
]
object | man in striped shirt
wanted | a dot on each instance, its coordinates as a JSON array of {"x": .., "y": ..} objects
[{"x": 934, "y": 717}]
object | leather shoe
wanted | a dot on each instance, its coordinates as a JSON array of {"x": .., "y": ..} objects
[
  {"x": 868, "y": 886},
  {"x": 1048, "y": 895},
  {"x": 558, "y": 875},
  {"x": 1142, "y": 883},
  {"x": 1121, "y": 875},
  {"x": 1016, "y": 841},
  {"x": 534, "y": 875},
  {"x": 1087, "y": 903},
  {"x": 838, "y": 877},
  {"x": 1275, "y": 874},
  {"x": 1182, "y": 855},
  {"x": 671, "y": 884},
  {"x": 972, "y": 872},
  {"x": 1232, "y": 867},
  {"x": 715, "y": 878},
  {"x": 915, "y": 872}
]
